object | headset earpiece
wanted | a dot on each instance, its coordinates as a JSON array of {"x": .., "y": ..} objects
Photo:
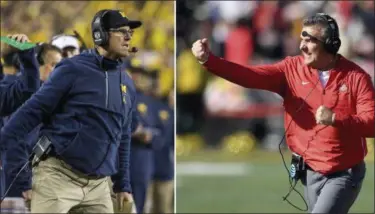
[
  {"x": 333, "y": 42},
  {"x": 99, "y": 35},
  {"x": 39, "y": 49}
]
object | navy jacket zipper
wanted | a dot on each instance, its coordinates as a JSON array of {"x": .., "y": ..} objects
[{"x": 106, "y": 89}]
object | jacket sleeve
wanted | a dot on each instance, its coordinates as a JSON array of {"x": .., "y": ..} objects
[
  {"x": 39, "y": 106},
  {"x": 362, "y": 122},
  {"x": 23, "y": 182},
  {"x": 266, "y": 77},
  {"x": 121, "y": 180},
  {"x": 15, "y": 161},
  {"x": 135, "y": 121},
  {"x": 16, "y": 93}
]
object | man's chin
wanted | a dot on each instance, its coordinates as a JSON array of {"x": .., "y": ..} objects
[{"x": 124, "y": 54}]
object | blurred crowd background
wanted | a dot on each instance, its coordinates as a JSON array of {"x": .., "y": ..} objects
[
  {"x": 41, "y": 20},
  {"x": 212, "y": 112},
  {"x": 152, "y": 66},
  {"x": 227, "y": 134}
]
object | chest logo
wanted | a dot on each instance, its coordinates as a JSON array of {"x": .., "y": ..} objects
[
  {"x": 305, "y": 83},
  {"x": 123, "y": 88},
  {"x": 343, "y": 88},
  {"x": 123, "y": 92},
  {"x": 163, "y": 115},
  {"x": 142, "y": 108}
]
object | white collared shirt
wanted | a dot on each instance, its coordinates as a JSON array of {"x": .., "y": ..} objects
[{"x": 324, "y": 76}]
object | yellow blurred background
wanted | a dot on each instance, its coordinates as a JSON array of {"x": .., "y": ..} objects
[{"x": 41, "y": 20}]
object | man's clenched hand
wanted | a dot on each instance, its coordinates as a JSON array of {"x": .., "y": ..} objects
[
  {"x": 324, "y": 116},
  {"x": 201, "y": 50}
]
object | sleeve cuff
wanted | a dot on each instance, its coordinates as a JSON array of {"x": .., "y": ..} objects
[
  {"x": 25, "y": 188},
  {"x": 121, "y": 188},
  {"x": 25, "y": 183},
  {"x": 121, "y": 185},
  {"x": 338, "y": 119},
  {"x": 27, "y": 58},
  {"x": 27, "y": 52},
  {"x": 203, "y": 62},
  {"x": 210, "y": 62},
  {"x": 29, "y": 69},
  {"x": 208, "y": 59}
]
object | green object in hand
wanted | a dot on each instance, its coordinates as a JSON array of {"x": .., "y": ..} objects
[{"x": 16, "y": 44}]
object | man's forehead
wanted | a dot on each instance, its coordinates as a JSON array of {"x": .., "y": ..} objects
[{"x": 312, "y": 30}]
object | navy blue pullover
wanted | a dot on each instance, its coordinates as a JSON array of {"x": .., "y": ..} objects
[
  {"x": 17, "y": 156},
  {"x": 164, "y": 155},
  {"x": 147, "y": 115},
  {"x": 86, "y": 110},
  {"x": 14, "y": 93}
]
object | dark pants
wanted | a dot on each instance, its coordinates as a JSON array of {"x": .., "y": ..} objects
[
  {"x": 2, "y": 174},
  {"x": 141, "y": 168},
  {"x": 334, "y": 193}
]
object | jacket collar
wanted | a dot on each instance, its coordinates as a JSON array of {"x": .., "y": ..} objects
[
  {"x": 105, "y": 63},
  {"x": 10, "y": 77},
  {"x": 337, "y": 67}
]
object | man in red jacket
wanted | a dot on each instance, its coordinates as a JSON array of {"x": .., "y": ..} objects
[{"x": 329, "y": 110}]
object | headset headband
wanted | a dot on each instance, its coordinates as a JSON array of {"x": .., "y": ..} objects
[
  {"x": 332, "y": 25},
  {"x": 333, "y": 43}
]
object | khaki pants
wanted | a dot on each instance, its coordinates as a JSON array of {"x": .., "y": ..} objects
[
  {"x": 160, "y": 197},
  {"x": 58, "y": 189}
]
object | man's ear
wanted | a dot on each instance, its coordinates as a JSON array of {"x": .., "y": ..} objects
[
  {"x": 104, "y": 47},
  {"x": 48, "y": 66},
  {"x": 42, "y": 68}
]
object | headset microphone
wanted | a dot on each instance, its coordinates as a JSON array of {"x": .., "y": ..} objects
[{"x": 133, "y": 50}]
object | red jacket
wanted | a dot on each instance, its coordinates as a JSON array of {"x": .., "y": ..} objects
[{"x": 349, "y": 93}]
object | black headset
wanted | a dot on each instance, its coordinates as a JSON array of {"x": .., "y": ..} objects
[
  {"x": 99, "y": 35},
  {"x": 332, "y": 43},
  {"x": 11, "y": 59},
  {"x": 39, "y": 49}
]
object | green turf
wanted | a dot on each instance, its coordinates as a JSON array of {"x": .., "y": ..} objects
[{"x": 259, "y": 191}]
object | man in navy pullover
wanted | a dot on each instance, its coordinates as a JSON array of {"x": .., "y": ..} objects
[
  {"x": 47, "y": 56},
  {"x": 145, "y": 140},
  {"x": 13, "y": 94},
  {"x": 86, "y": 109},
  {"x": 161, "y": 190}
]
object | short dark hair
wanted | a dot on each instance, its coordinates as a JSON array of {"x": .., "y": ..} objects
[
  {"x": 44, "y": 49},
  {"x": 66, "y": 50},
  {"x": 321, "y": 21}
]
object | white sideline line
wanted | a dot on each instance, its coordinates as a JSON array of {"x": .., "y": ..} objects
[{"x": 212, "y": 169}]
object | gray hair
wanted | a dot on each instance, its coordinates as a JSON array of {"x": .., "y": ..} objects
[{"x": 321, "y": 21}]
